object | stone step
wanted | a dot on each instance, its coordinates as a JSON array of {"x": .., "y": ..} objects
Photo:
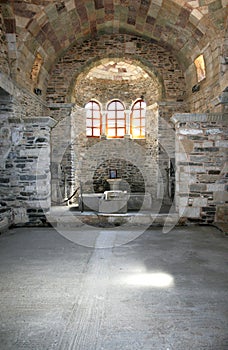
[{"x": 70, "y": 219}]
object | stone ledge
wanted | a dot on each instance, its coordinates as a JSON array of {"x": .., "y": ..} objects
[
  {"x": 6, "y": 84},
  {"x": 41, "y": 120},
  {"x": 61, "y": 105},
  {"x": 198, "y": 117}
]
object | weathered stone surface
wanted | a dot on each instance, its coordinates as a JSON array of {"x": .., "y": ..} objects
[{"x": 207, "y": 162}]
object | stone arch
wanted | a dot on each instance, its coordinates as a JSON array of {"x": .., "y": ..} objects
[{"x": 154, "y": 78}]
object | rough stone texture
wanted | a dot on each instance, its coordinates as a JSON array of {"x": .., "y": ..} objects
[
  {"x": 25, "y": 169},
  {"x": 4, "y": 63},
  {"x": 160, "y": 61},
  {"x": 202, "y": 177},
  {"x": 189, "y": 29},
  {"x": 162, "y": 37},
  {"x": 124, "y": 78},
  {"x": 88, "y": 160}
]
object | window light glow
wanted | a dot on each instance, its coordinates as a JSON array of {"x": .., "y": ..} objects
[
  {"x": 36, "y": 67},
  {"x": 200, "y": 68}
]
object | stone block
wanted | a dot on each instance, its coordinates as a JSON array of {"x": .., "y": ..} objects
[
  {"x": 181, "y": 157},
  {"x": 112, "y": 206},
  {"x": 190, "y": 132},
  {"x": 222, "y": 213},
  {"x": 190, "y": 212},
  {"x": 222, "y": 143},
  {"x": 220, "y": 196},
  {"x": 200, "y": 202},
  {"x": 198, "y": 187},
  {"x": 215, "y": 187},
  {"x": 207, "y": 178}
]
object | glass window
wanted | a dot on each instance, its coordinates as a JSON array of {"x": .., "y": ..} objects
[
  {"x": 93, "y": 119},
  {"x": 115, "y": 120},
  {"x": 138, "y": 116}
]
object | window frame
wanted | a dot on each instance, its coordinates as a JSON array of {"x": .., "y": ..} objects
[
  {"x": 142, "y": 135},
  {"x": 93, "y": 118},
  {"x": 115, "y": 119}
]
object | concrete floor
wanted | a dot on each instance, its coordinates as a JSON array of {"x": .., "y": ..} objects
[{"x": 158, "y": 292}]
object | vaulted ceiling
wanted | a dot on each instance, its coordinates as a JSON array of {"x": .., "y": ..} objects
[{"x": 51, "y": 27}]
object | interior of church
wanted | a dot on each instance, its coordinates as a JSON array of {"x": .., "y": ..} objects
[
  {"x": 113, "y": 174},
  {"x": 93, "y": 88}
]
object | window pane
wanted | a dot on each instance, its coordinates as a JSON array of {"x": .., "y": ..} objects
[
  {"x": 96, "y": 122},
  {"x": 143, "y": 122},
  {"x": 96, "y": 114},
  {"x": 88, "y": 113},
  {"x": 136, "y": 113},
  {"x": 111, "y": 114},
  {"x": 120, "y": 132},
  {"x": 88, "y": 105},
  {"x": 111, "y": 132},
  {"x": 120, "y": 123},
  {"x": 88, "y": 122},
  {"x": 96, "y": 132},
  {"x": 136, "y": 132},
  {"x": 143, "y": 113},
  {"x": 136, "y": 122},
  {"x": 96, "y": 106},
  {"x": 120, "y": 114},
  {"x": 111, "y": 106},
  {"x": 88, "y": 132},
  {"x": 119, "y": 105},
  {"x": 111, "y": 123},
  {"x": 136, "y": 106}
]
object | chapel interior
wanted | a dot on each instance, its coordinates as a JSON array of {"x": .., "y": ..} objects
[
  {"x": 113, "y": 174},
  {"x": 137, "y": 89}
]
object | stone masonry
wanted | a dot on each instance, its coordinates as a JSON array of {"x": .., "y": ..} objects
[{"x": 202, "y": 161}]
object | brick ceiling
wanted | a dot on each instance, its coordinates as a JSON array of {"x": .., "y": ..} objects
[{"x": 51, "y": 27}]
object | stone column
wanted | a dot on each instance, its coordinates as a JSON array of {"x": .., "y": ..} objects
[
  {"x": 28, "y": 169},
  {"x": 201, "y": 166}
]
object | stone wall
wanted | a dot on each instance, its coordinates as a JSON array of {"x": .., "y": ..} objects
[
  {"x": 4, "y": 59},
  {"x": 76, "y": 155},
  {"x": 209, "y": 95},
  {"x": 202, "y": 173},
  {"x": 25, "y": 168},
  {"x": 86, "y": 55},
  {"x": 132, "y": 179},
  {"x": 126, "y": 90}
]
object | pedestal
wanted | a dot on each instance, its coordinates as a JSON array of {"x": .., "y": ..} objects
[{"x": 114, "y": 184}]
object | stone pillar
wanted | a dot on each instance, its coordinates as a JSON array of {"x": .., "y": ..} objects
[
  {"x": 201, "y": 165},
  {"x": 26, "y": 174}
]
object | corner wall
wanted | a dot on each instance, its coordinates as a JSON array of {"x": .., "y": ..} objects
[{"x": 202, "y": 167}]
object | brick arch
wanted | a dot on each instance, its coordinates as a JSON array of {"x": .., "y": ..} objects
[
  {"x": 160, "y": 62},
  {"x": 181, "y": 26},
  {"x": 155, "y": 79}
]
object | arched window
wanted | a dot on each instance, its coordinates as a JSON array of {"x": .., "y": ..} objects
[
  {"x": 138, "y": 119},
  {"x": 115, "y": 120},
  {"x": 93, "y": 119}
]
